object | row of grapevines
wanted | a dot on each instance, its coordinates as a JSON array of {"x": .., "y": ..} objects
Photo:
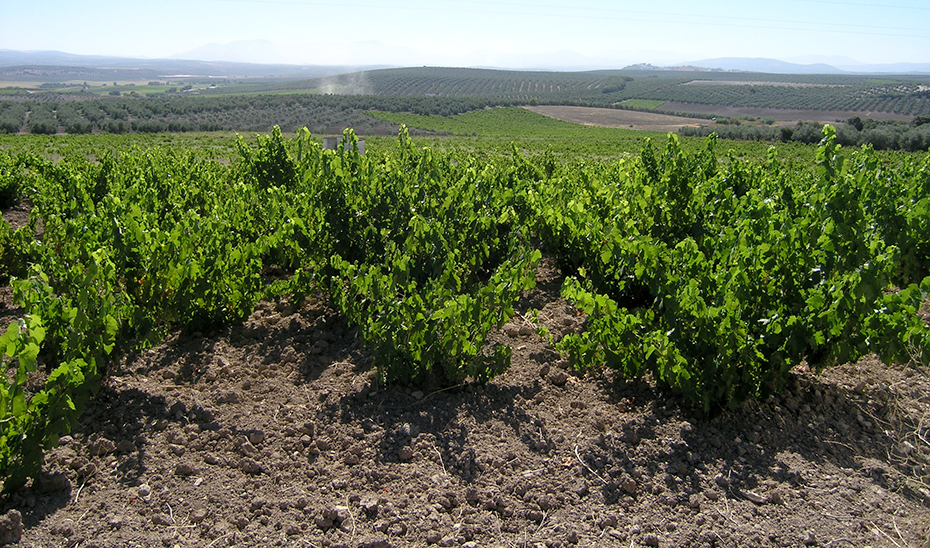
[
  {"x": 130, "y": 246},
  {"x": 424, "y": 254},
  {"x": 717, "y": 279}
]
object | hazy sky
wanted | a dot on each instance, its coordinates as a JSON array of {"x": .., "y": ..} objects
[{"x": 451, "y": 31}]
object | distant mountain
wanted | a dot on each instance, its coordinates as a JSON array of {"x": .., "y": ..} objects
[
  {"x": 837, "y": 61},
  {"x": 849, "y": 64},
  {"x": 773, "y": 66},
  {"x": 109, "y": 67},
  {"x": 842, "y": 65},
  {"x": 246, "y": 51},
  {"x": 12, "y": 58},
  {"x": 243, "y": 59},
  {"x": 562, "y": 61},
  {"x": 896, "y": 68},
  {"x": 673, "y": 68},
  {"x": 374, "y": 52}
]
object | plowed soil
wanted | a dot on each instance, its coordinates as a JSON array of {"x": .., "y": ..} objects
[{"x": 272, "y": 433}]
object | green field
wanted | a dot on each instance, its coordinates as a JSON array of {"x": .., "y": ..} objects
[
  {"x": 496, "y": 128},
  {"x": 511, "y": 122},
  {"x": 644, "y": 104}
]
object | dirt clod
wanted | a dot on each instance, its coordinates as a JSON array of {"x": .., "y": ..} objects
[
  {"x": 11, "y": 527},
  {"x": 558, "y": 377},
  {"x": 249, "y": 466}
]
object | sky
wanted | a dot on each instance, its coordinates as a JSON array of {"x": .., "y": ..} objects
[{"x": 506, "y": 33}]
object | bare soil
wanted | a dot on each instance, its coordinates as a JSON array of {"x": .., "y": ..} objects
[
  {"x": 272, "y": 433},
  {"x": 609, "y": 117},
  {"x": 17, "y": 216}
]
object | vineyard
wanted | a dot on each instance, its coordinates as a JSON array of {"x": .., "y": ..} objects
[
  {"x": 188, "y": 114},
  {"x": 697, "y": 279},
  {"x": 906, "y": 95},
  {"x": 329, "y": 104}
]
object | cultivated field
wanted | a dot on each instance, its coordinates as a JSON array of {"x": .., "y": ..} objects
[
  {"x": 646, "y": 121},
  {"x": 782, "y": 116}
]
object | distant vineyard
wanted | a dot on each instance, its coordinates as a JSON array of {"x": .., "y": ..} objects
[
  {"x": 902, "y": 95},
  {"x": 319, "y": 113},
  {"x": 327, "y": 105},
  {"x": 473, "y": 82},
  {"x": 910, "y": 99}
]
